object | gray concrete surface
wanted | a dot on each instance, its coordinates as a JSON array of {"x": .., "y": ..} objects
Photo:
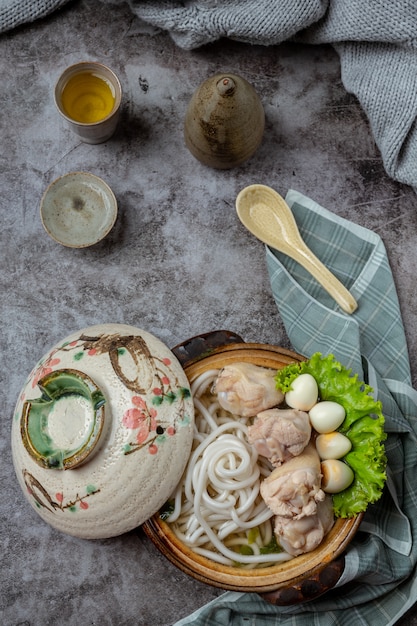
[{"x": 178, "y": 263}]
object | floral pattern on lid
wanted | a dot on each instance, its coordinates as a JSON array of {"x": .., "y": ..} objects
[{"x": 144, "y": 443}]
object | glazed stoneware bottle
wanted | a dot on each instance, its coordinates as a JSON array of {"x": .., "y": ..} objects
[
  {"x": 224, "y": 122},
  {"x": 102, "y": 430}
]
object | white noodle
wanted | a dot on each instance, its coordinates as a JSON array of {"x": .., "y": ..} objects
[
  {"x": 205, "y": 413},
  {"x": 218, "y": 502}
]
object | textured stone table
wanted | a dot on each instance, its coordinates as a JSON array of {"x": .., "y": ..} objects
[{"x": 178, "y": 262}]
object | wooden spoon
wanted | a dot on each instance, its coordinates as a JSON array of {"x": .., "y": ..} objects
[{"x": 267, "y": 216}]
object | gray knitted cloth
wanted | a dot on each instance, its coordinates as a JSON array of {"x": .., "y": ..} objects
[
  {"x": 376, "y": 41},
  {"x": 16, "y": 12}
]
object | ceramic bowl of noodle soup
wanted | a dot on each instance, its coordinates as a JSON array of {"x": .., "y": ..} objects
[{"x": 216, "y": 526}]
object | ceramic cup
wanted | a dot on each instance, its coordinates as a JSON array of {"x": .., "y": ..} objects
[
  {"x": 78, "y": 209},
  {"x": 88, "y": 96}
]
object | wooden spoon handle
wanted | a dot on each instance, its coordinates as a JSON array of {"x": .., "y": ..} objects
[
  {"x": 267, "y": 216},
  {"x": 305, "y": 257}
]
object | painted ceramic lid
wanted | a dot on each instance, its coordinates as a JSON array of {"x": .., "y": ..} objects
[{"x": 102, "y": 430}]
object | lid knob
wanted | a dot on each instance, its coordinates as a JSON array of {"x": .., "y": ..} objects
[
  {"x": 61, "y": 428},
  {"x": 226, "y": 86}
]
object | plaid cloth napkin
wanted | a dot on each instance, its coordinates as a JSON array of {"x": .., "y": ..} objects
[{"x": 379, "y": 582}]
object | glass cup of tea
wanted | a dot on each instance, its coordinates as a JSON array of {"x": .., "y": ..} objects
[{"x": 88, "y": 96}]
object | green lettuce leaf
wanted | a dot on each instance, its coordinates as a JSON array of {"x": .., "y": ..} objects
[{"x": 363, "y": 425}]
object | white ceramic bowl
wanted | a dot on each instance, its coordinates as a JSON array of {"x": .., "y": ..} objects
[{"x": 78, "y": 209}]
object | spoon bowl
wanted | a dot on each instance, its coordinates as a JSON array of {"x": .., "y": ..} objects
[{"x": 267, "y": 216}]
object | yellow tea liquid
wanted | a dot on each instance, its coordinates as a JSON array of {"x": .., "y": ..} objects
[{"x": 87, "y": 98}]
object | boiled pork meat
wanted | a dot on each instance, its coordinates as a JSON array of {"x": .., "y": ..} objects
[
  {"x": 298, "y": 536},
  {"x": 293, "y": 489},
  {"x": 280, "y": 434},
  {"x": 246, "y": 389}
]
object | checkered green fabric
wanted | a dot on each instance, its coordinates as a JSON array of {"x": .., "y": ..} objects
[{"x": 379, "y": 582}]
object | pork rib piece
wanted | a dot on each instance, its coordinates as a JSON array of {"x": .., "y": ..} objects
[
  {"x": 293, "y": 488},
  {"x": 246, "y": 389},
  {"x": 298, "y": 536},
  {"x": 280, "y": 434}
]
